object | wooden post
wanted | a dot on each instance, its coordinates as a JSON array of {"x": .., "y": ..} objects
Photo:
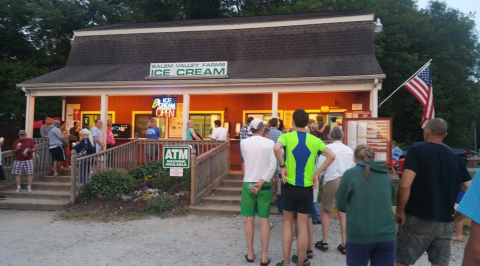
[
  {"x": 73, "y": 173},
  {"x": 193, "y": 177}
]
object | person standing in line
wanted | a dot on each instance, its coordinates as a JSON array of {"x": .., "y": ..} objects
[
  {"x": 219, "y": 133},
  {"x": 245, "y": 133},
  {"x": 274, "y": 134},
  {"x": 74, "y": 133},
  {"x": 110, "y": 138},
  {"x": 98, "y": 135},
  {"x": 323, "y": 128},
  {"x": 46, "y": 126},
  {"x": 281, "y": 127},
  {"x": 87, "y": 145},
  {"x": 365, "y": 194},
  {"x": 331, "y": 180},
  {"x": 314, "y": 130},
  {"x": 152, "y": 132},
  {"x": 23, "y": 148},
  {"x": 427, "y": 191},
  {"x": 396, "y": 153},
  {"x": 260, "y": 164},
  {"x": 191, "y": 134},
  {"x": 55, "y": 142},
  {"x": 470, "y": 207},
  {"x": 2, "y": 174},
  {"x": 299, "y": 178},
  {"x": 65, "y": 143}
]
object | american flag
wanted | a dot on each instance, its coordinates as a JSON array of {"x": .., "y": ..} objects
[{"x": 421, "y": 87}]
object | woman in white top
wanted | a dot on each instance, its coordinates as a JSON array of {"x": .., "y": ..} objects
[{"x": 331, "y": 179}]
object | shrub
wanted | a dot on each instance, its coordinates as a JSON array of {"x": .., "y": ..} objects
[
  {"x": 108, "y": 184},
  {"x": 161, "y": 203},
  {"x": 151, "y": 168}
]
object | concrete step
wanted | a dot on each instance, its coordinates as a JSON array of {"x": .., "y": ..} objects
[
  {"x": 220, "y": 210},
  {"x": 231, "y": 183},
  {"x": 235, "y": 176},
  {"x": 34, "y": 204},
  {"x": 37, "y": 194},
  {"x": 65, "y": 171},
  {"x": 59, "y": 179},
  {"x": 221, "y": 200},
  {"x": 56, "y": 186},
  {"x": 226, "y": 191}
]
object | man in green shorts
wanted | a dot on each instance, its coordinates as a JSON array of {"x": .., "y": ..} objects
[
  {"x": 260, "y": 164},
  {"x": 300, "y": 178}
]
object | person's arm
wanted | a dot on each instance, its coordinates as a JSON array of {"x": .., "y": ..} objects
[
  {"x": 58, "y": 133},
  {"x": 472, "y": 249},
  {"x": 267, "y": 177},
  {"x": 15, "y": 147},
  {"x": 404, "y": 194},
  {"x": 214, "y": 134},
  {"x": 278, "y": 155},
  {"x": 78, "y": 148},
  {"x": 464, "y": 186},
  {"x": 42, "y": 131},
  {"x": 32, "y": 147},
  {"x": 194, "y": 135}
]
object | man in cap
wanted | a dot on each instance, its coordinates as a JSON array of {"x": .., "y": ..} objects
[
  {"x": 260, "y": 164},
  {"x": 55, "y": 138},
  {"x": 23, "y": 148}
]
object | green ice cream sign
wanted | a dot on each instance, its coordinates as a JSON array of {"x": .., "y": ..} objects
[{"x": 188, "y": 69}]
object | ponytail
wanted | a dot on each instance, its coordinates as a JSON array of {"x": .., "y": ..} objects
[{"x": 365, "y": 153}]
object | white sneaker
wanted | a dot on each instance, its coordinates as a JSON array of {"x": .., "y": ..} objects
[
  {"x": 29, "y": 189},
  {"x": 271, "y": 225},
  {"x": 18, "y": 189}
]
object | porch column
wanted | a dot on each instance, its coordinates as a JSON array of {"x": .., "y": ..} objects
[
  {"x": 274, "y": 104},
  {"x": 374, "y": 98},
  {"x": 64, "y": 115},
  {"x": 29, "y": 114},
  {"x": 186, "y": 110},
  {"x": 104, "y": 117}
]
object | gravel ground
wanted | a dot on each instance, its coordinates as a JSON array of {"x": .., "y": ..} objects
[{"x": 40, "y": 238}]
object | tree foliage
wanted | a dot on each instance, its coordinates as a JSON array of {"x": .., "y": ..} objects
[{"x": 36, "y": 40}]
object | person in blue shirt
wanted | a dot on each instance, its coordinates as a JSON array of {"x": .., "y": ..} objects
[
  {"x": 470, "y": 207},
  {"x": 153, "y": 132},
  {"x": 396, "y": 153}
]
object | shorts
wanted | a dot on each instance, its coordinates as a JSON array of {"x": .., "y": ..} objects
[
  {"x": 260, "y": 202},
  {"x": 314, "y": 214},
  {"x": 58, "y": 154},
  {"x": 419, "y": 235},
  {"x": 298, "y": 199},
  {"x": 329, "y": 191},
  {"x": 379, "y": 254},
  {"x": 19, "y": 166}
]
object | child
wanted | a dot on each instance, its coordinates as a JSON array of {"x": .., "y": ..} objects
[{"x": 396, "y": 152}]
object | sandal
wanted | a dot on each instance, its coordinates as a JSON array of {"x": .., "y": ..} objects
[
  {"x": 266, "y": 263},
  {"x": 295, "y": 260},
  {"x": 309, "y": 254},
  {"x": 341, "y": 249},
  {"x": 249, "y": 260},
  {"x": 322, "y": 246}
]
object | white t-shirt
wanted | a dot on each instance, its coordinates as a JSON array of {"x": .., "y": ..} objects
[
  {"x": 260, "y": 161},
  {"x": 343, "y": 161},
  {"x": 219, "y": 133}
]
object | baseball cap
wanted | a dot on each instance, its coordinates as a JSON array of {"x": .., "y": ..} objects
[
  {"x": 255, "y": 123},
  {"x": 22, "y": 132},
  {"x": 56, "y": 122}
]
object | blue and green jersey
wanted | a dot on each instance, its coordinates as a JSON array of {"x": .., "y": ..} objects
[{"x": 301, "y": 150}]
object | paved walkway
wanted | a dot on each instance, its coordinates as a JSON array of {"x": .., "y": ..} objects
[{"x": 472, "y": 169}]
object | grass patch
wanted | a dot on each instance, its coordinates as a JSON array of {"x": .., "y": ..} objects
[
  {"x": 103, "y": 215},
  {"x": 472, "y": 173}
]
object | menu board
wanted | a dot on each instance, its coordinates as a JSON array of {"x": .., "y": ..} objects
[
  {"x": 175, "y": 124},
  {"x": 374, "y": 132}
]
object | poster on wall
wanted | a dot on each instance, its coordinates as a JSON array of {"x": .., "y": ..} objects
[
  {"x": 164, "y": 107},
  {"x": 374, "y": 132},
  {"x": 175, "y": 124},
  {"x": 73, "y": 114}
]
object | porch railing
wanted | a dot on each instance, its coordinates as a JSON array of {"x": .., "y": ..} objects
[
  {"x": 133, "y": 154},
  {"x": 208, "y": 169},
  {"x": 42, "y": 164}
]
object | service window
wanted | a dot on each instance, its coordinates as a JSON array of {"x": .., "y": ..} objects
[
  {"x": 141, "y": 124},
  {"x": 260, "y": 115},
  {"x": 88, "y": 120},
  {"x": 203, "y": 123}
]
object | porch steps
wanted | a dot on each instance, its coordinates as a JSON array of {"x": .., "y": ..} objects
[
  {"x": 49, "y": 193},
  {"x": 224, "y": 199}
]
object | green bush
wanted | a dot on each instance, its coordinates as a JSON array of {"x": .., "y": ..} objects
[
  {"x": 107, "y": 185},
  {"x": 161, "y": 203},
  {"x": 151, "y": 168}
]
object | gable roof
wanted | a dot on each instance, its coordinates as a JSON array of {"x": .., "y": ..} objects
[{"x": 253, "y": 52}]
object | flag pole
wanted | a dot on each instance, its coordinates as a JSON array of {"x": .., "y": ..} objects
[{"x": 418, "y": 71}]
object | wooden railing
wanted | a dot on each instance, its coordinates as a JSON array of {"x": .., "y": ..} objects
[
  {"x": 37, "y": 141},
  {"x": 208, "y": 169},
  {"x": 138, "y": 152},
  {"x": 42, "y": 164}
]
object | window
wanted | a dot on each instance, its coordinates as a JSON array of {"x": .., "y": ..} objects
[
  {"x": 203, "y": 123},
  {"x": 88, "y": 119},
  {"x": 141, "y": 125}
]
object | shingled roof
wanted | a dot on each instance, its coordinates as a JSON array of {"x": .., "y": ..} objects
[{"x": 316, "y": 50}]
